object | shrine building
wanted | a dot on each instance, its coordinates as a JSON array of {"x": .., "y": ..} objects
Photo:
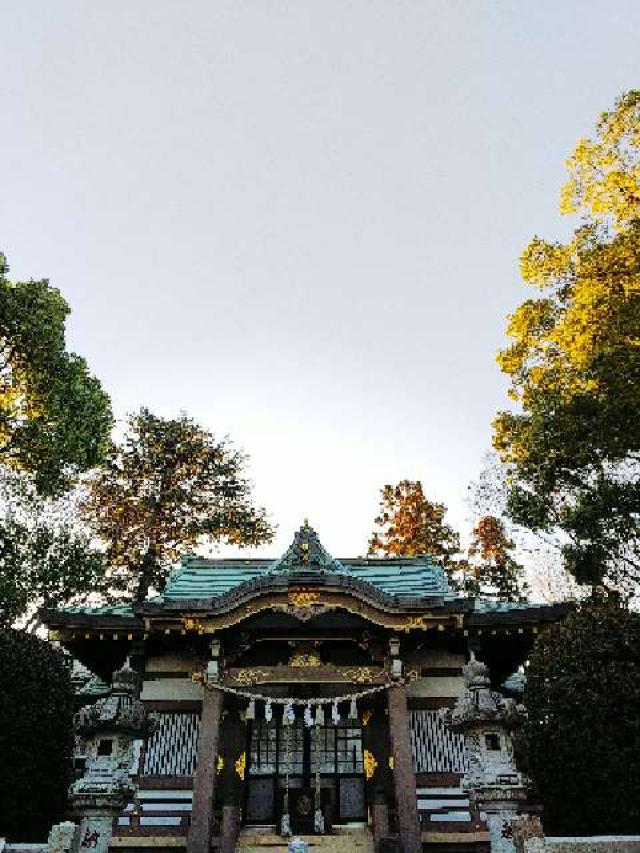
[{"x": 301, "y": 696}]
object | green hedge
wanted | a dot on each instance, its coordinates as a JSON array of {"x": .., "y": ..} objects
[
  {"x": 36, "y": 735},
  {"x": 582, "y": 738}
]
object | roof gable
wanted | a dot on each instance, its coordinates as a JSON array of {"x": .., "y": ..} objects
[{"x": 307, "y": 553}]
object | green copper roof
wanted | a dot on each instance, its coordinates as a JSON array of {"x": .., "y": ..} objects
[
  {"x": 199, "y": 578},
  {"x": 415, "y": 577}
]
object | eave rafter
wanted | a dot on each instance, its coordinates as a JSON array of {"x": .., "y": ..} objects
[{"x": 303, "y": 597}]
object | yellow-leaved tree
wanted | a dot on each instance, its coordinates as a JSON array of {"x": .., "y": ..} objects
[{"x": 573, "y": 443}]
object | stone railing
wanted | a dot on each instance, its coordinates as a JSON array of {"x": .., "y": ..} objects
[
  {"x": 592, "y": 844},
  {"x": 63, "y": 838}
]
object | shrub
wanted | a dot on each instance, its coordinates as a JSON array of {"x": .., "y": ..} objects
[
  {"x": 582, "y": 737},
  {"x": 36, "y": 735}
]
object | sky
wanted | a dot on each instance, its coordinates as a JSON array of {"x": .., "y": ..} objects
[{"x": 299, "y": 221}]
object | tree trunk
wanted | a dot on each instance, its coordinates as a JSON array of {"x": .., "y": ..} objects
[{"x": 147, "y": 571}]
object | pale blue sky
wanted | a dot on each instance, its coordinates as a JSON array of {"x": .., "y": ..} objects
[{"x": 300, "y": 221}]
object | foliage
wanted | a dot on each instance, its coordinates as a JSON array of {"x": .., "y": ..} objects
[
  {"x": 540, "y": 552},
  {"x": 36, "y": 736},
  {"x": 409, "y": 524},
  {"x": 492, "y": 569},
  {"x": 55, "y": 418},
  {"x": 46, "y": 559},
  {"x": 165, "y": 487},
  {"x": 604, "y": 173},
  {"x": 582, "y": 737},
  {"x": 573, "y": 448}
]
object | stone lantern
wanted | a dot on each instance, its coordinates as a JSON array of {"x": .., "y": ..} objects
[
  {"x": 488, "y": 721},
  {"x": 109, "y": 727}
]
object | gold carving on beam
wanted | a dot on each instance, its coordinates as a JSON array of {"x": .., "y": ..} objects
[
  {"x": 250, "y": 676},
  {"x": 219, "y": 764},
  {"x": 370, "y": 763},
  {"x": 411, "y": 674},
  {"x": 392, "y": 763},
  {"x": 415, "y": 622},
  {"x": 197, "y": 677},
  {"x": 191, "y": 623},
  {"x": 303, "y": 598},
  {"x": 366, "y": 716},
  {"x": 304, "y": 659},
  {"x": 363, "y": 674},
  {"x": 241, "y": 764}
]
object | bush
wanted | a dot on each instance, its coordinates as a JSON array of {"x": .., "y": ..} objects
[
  {"x": 582, "y": 738},
  {"x": 36, "y": 735}
]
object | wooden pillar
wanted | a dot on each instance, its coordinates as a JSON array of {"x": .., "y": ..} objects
[
  {"x": 204, "y": 782},
  {"x": 233, "y": 743},
  {"x": 403, "y": 772},
  {"x": 375, "y": 740}
]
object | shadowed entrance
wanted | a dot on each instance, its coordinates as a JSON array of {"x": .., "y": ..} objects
[{"x": 301, "y": 760}]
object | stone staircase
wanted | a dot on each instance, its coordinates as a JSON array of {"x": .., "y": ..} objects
[{"x": 344, "y": 840}]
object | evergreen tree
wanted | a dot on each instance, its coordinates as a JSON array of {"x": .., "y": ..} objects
[
  {"x": 36, "y": 736},
  {"x": 46, "y": 556},
  {"x": 55, "y": 418},
  {"x": 582, "y": 736}
]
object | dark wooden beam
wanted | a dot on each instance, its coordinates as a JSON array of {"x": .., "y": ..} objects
[{"x": 204, "y": 783}]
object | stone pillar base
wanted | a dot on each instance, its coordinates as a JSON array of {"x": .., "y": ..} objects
[
  {"x": 380, "y": 820},
  {"x": 228, "y": 829},
  {"x": 96, "y": 831},
  {"x": 64, "y": 838}
]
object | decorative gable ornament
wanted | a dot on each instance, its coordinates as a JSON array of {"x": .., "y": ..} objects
[{"x": 306, "y": 553}]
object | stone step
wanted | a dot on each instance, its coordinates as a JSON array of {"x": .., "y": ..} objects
[{"x": 344, "y": 841}]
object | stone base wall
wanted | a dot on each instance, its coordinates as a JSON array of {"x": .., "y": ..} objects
[{"x": 594, "y": 844}]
